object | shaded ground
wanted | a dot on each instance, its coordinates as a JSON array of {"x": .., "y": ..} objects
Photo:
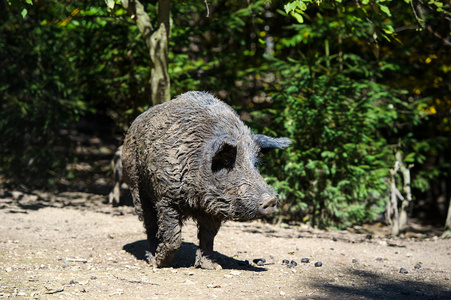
[{"x": 71, "y": 245}]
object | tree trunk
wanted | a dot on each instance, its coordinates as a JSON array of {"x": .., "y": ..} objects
[
  {"x": 407, "y": 191},
  {"x": 159, "y": 80},
  {"x": 393, "y": 219},
  {"x": 447, "y": 233},
  {"x": 157, "y": 42}
]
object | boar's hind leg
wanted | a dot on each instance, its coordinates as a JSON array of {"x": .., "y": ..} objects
[
  {"x": 206, "y": 234},
  {"x": 150, "y": 223},
  {"x": 169, "y": 233},
  {"x": 146, "y": 211}
]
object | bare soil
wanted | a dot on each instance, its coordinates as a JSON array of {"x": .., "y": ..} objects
[{"x": 71, "y": 245}]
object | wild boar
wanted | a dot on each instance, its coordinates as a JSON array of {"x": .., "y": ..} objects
[{"x": 194, "y": 157}]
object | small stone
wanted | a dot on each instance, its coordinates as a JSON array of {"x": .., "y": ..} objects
[
  {"x": 318, "y": 264},
  {"x": 16, "y": 195},
  {"x": 417, "y": 266},
  {"x": 243, "y": 262},
  {"x": 379, "y": 259},
  {"x": 118, "y": 292},
  {"x": 305, "y": 260},
  {"x": 292, "y": 264},
  {"x": 259, "y": 261},
  {"x": 355, "y": 261},
  {"x": 285, "y": 261},
  {"x": 235, "y": 273},
  {"x": 403, "y": 271}
]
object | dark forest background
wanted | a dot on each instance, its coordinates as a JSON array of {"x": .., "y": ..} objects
[{"x": 361, "y": 87}]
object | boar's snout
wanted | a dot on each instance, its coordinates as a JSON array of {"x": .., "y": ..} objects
[{"x": 268, "y": 205}]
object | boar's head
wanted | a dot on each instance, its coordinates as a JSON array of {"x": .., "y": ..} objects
[{"x": 234, "y": 187}]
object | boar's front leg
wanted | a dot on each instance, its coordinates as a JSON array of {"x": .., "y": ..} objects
[
  {"x": 207, "y": 230},
  {"x": 169, "y": 233}
]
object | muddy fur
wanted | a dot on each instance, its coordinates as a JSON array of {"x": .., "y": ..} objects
[{"x": 193, "y": 157}]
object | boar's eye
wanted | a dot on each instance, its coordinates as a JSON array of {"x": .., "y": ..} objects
[
  {"x": 224, "y": 158},
  {"x": 258, "y": 161}
]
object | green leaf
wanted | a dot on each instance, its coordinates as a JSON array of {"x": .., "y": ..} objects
[
  {"x": 298, "y": 17},
  {"x": 302, "y": 6},
  {"x": 289, "y": 7},
  {"x": 410, "y": 158},
  {"x": 110, "y": 4},
  {"x": 385, "y": 9}
]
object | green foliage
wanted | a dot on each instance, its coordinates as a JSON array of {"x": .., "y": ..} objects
[
  {"x": 331, "y": 99},
  {"x": 204, "y": 56},
  {"x": 351, "y": 83},
  {"x": 38, "y": 96},
  {"x": 339, "y": 162},
  {"x": 58, "y": 65}
]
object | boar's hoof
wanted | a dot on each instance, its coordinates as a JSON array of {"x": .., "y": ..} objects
[
  {"x": 205, "y": 262},
  {"x": 151, "y": 259}
]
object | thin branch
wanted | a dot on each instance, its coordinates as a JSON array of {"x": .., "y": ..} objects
[
  {"x": 436, "y": 34},
  {"x": 135, "y": 281},
  {"x": 420, "y": 21},
  {"x": 208, "y": 9}
]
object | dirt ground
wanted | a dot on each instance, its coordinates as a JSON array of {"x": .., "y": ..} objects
[{"x": 71, "y": 245}]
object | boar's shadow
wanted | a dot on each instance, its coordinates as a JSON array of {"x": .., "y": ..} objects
[{"x": 186, "y": 255}]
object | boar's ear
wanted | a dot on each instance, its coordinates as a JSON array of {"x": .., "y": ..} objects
[
  {"x": 224, "y": 157},
  {"x": 267, "y": 143}
]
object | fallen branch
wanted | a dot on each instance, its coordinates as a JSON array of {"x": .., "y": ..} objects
[
  {"x": 76, "y": 260},
  {"x": 135, "y": 281}
]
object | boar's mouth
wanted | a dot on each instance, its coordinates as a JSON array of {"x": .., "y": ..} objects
[{"x": 241, "y": 211}]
